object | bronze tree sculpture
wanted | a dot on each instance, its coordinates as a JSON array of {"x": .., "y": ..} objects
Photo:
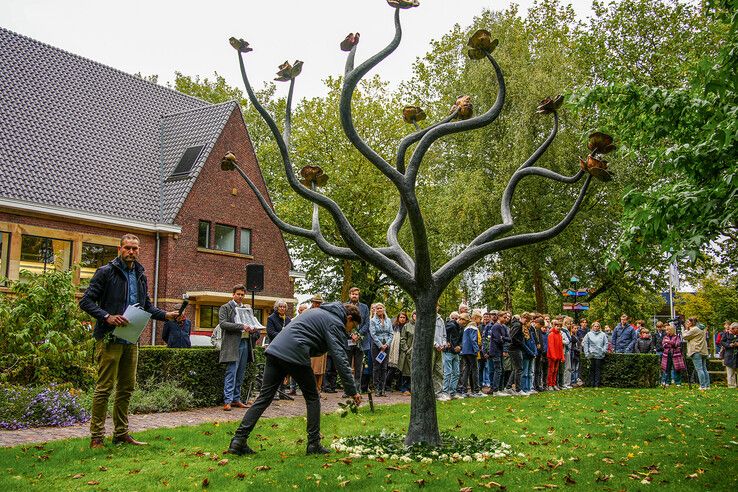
[{"x": 414, "y": 272}]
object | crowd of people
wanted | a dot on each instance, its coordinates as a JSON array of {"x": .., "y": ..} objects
[{"x": 495, "y": 353}]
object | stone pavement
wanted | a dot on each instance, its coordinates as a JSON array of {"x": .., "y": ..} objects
[{"x": 136, "y": 423}]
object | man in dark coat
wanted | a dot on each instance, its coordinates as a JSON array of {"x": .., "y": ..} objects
[
  {"x": 314, "y": 332},
  {"x": 354, "y": 347},
  {"x": 176, "y": 334},
  {"x": 624, "y": 336},
  {"x": 114, "y": 287}
]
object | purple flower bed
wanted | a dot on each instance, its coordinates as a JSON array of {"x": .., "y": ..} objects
[{"x": 22, "y": 408}]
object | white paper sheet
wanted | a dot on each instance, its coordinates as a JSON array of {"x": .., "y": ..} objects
[{"x": 137, "y": 320}]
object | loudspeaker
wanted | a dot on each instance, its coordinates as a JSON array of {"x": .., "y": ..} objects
[{"x": 254, "y": 277}]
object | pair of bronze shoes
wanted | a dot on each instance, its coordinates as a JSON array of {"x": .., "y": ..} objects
[
  {"x": 98, "y": 443},
  {"x": 236, "y": 404}
]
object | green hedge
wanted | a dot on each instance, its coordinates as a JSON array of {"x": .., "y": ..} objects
[
  {"x": 626, "y": 370},
  {"x": 195, "y": 369}
]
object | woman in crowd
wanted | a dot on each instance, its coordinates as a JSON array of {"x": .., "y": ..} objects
[
  {"x": 672, "y": 363},
  {"x": 595, "y": 347},
  {"x": 394, "y": 376},
  {"x": 380, "y": 328},
  {"x": 404, "y": 363},
  {"x": 697, "y": 350},
  {"x": 555, "y": 355},
  {"x": 565, "y": 372},
  {"x": 529, "y": 355}
]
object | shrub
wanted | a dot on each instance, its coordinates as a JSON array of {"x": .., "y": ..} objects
[
  {"x": 42, "y": 337},
  {"x": 161, "y": 396},
  {"x": 626, "y": 370},
  {"x": 195, "y": 369},
  {"x": 23, "y": 407}
]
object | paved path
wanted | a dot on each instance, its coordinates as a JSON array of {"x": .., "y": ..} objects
[{"x": 281, "y": 408}]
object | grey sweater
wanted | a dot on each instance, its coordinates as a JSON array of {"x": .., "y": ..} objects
[{"x": 313, "y": 333}]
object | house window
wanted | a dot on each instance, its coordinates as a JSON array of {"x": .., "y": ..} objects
[
  {"x": 93, "y": 257},
  {"x": 203, "y": 234},
  {"x": 246, "y": 241},
  {"x": 4, "y": 249},
  {"x": 187, "y": 161},
  {"x": 208, "y": 317},
  {"x": 225, "y": 237},
  {"x": 41, "y": 254}
]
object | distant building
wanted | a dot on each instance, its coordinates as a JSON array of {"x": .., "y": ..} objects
[{"x": 88, "y": 153}]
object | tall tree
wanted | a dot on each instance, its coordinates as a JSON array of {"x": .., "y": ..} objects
[{"x": 413, "y": 269}]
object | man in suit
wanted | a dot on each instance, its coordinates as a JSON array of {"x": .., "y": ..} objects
[{"x": 237, "y": 348}]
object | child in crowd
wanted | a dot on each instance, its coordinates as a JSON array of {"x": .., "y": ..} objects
[
  {"x": 555, "y": 355},
  {"x": 645, "y": 344}
]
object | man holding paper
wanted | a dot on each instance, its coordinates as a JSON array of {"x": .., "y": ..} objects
[{"x": 117, "y": 289}]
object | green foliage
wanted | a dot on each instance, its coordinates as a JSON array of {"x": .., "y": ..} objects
[
  {"x": 685, "y": 133},
  {"x": 42, "y": 336},
  {"x": 715, "y": 301},
  {"x": 626, "y": 370},
  {"x": 196, "y": 370}
]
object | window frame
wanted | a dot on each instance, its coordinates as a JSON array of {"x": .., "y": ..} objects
[
  {"x": 209, "y": 233},
  {"x": 240, "y": 241},
  {"x": 215, "y": 238}
]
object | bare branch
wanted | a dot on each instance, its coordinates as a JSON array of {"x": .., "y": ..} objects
[
  {"x": 313, "y": 234},
  {"x": 457, "y": 126},
  {"x": 472, "y": 254},
  {"x": 349, "y": 235},
  {"x": 350, "y": 81}
]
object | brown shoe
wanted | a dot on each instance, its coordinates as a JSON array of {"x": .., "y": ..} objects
[
  {"x": 239, "y": 404},
  {"x": 227, "y": 407},
  {"x": 127, "y": 439},
  {"x": 97, "y": 443}
]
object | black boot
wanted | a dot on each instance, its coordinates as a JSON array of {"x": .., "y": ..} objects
[
  {"x": 316, "y": 448},
  {"x": 238, "y": 445}
]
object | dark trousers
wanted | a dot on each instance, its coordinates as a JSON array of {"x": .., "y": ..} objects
[
  {"x": 356, "y": 363},
  {"x": 516, "y": 359},
  {"x": 470, "y": 373},
  {"x": 595, "y": 372},
  {"x": 275, "y": 370},
  {"x": 539, "y": 377},
  {"x": 497, "y": 374},
  {"x": 379, "y": 371}
]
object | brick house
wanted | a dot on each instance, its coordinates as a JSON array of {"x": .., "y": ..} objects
[{"x": 88, "y": 153}]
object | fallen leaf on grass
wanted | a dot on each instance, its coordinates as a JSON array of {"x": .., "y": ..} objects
[
  {"x": 346, "y": 461},
  {"x": 465, "y": 489},
  {"x": 134, "y": 471},
  {"x": 77, "y": 476},
  {"x": 420, "y": 482},
  {"x": 546, "y": 486},
  {"x": 609, "y": 461},
  {"x": 344, "y": 483},
  {"x": 223, "y": 462},
  {"x": 103, "y": 468},
  {"x": 93, "y": 482},
  {"x": 240, "y": 476},
  {"x": 603, "y": 478},
  {"x": 568, "y": 480},
  {"x": 492, "y": 485},
  {"x": 205, "y": 483},
  {"x": 263, "y": 468}
]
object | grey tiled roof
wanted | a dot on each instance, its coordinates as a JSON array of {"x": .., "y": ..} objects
[{"x": 80, "y": 135}]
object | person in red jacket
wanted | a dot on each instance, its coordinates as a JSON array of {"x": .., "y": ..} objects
[{"x": 555, "y": 354}]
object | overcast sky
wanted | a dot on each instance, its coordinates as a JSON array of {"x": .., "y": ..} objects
[{"x": 159, "y": 37}]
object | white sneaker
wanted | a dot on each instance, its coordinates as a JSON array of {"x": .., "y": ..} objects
[
  {"x": 478, "y": 395},
  {"x": 532, "y": 392},
  {"x": 443, "y": 397},
  {"x": 500, "y": 393},
  {"x": 457, "y": 396},
  {"x": 551, "y": 388}
]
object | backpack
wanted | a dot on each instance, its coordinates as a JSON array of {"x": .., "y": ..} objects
[{"x": 217, "y": 337}]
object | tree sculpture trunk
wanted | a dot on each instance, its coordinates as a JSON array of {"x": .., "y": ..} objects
[{"x": 414, "y": 273}]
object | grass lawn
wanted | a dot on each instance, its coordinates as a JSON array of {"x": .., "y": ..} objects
[{"x": 607, "y": 439}]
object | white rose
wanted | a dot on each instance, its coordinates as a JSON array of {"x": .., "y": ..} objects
[
  {"x": 467, "y": 458},
  {"x": 426, "y": 460}
]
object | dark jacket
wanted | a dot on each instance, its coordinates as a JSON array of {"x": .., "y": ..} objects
[
  {"x": 313, "y": 333},
  {"x": 529, "y": 346},
  {"x": 275, "y": 324},
  {"x": 730, "y": 356},
  {"x": 499, "y": 340},
  {"x": 486, "y": 331},
  {"x": 108, "y": 294},
  {"x": 645, "y": 346},
  {"x": 177, "y": 334},
  {"x": 658, "y": 339},
  {"x": 453, "y": 336},
  {"x": 517, "y": 340},
  {"x": 366, "y": 341}
]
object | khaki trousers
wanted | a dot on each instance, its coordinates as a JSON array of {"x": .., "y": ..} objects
[{"x": 116, "y": 367}]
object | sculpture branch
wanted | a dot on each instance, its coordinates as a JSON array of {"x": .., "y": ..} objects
[
  {"x": 473, "y": 254},
  {"x": 346, "y": 230},
  {"x": 313, "y": 234},
  {"x": 349, "y": 85},
  {"x": 457, "y": 126}
]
